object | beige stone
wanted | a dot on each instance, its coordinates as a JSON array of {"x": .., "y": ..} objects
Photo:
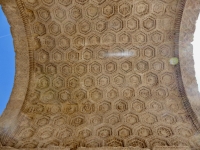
[
  {"x": 96, "y": 74},
  {"x": 172, "y": 148},
  {"x": 113, "y": 148}
]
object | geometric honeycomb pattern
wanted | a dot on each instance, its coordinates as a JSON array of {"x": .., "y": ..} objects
[{"x": 102, "y": 76}]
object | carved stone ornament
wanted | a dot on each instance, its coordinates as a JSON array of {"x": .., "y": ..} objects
[
  {"x": 104, "y": 148},
  {"x": 96, "y": 74},
  {"x": 113, "y": 148},
  {"x": 171, "y": 148}
]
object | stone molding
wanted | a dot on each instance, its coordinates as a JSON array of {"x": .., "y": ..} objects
[
  {"x": 10, "y": 114},
  {"x": 172, "y": 148},
  {"x": 187, "y": 29},
  {"x": 104, "y": 148}
]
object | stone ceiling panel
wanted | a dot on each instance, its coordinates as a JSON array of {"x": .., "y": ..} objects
[{"x": 100, "y": 76}]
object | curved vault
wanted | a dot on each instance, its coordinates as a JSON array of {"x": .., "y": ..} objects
[{"x": 95, "y": 73}]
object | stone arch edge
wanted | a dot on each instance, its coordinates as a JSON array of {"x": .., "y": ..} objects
[
  {"x": 185, "y": 70},
  {"x": 9, "y": 117}
]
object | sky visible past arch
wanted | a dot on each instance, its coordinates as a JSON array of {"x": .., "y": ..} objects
[
  {"x": 196, "y": 50},
  {"x": 7, "y": 62}
]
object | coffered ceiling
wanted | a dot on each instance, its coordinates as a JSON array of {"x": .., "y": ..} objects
[{"x": 97, "y": 73}]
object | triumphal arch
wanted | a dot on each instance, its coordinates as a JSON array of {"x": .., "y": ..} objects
[{"x": 96, "y": 75}]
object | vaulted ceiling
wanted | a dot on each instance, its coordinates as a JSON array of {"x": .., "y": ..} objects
[{"x": 96, "y": 73}]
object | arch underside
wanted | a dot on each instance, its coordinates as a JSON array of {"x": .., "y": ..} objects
[{"x": 96, "y": 73}]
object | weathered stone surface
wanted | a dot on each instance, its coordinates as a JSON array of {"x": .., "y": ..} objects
[
  {"x": 113, "y": 148},
  {"x": 96, "y": 73},
  {"x": 105, "y": 148},
  {"x": 49, "y": 148},
  {"x": 187, "y": 29},
  {"x": 172, "y": 148}
]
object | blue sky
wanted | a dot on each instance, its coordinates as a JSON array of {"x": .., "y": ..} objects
[
  {"x": 7, "y": 59},
  {"x": 7, "y": 62}
]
